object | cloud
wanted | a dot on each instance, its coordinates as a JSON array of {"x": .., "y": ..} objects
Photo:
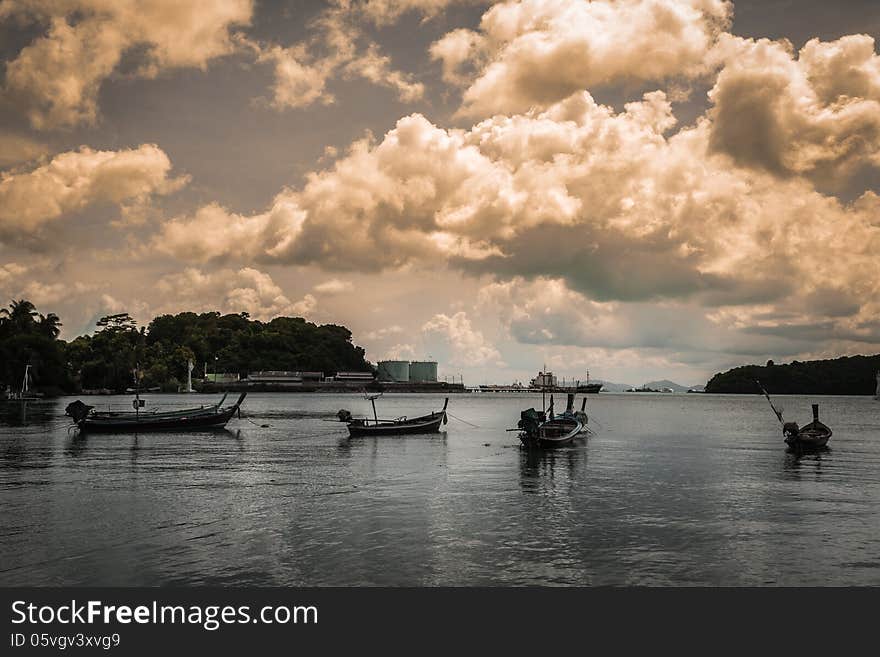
[
  {"x": 602, "y": 199},
  {"x": 334, "y": 286},
  {"x": 469, "y": 347},
  {"x": 56, "y": 79},
  {"x": 74, "y": 180},
  {"x": 233, "y": 291},
  {"x": 816, "y": 112},
  {"x": 337, "y": 47},
  {"x": 382, "y": 333},
  {"x": 16, "y": 149},
  {"x": 533, "y": 53}
]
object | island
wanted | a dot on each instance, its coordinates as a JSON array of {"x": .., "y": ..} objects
[{"x": 847, "y": 375}]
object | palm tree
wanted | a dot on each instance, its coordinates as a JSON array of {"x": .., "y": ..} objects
[
  {"x": 21, "y": 315},
  {"x": 50, "y": 325}
]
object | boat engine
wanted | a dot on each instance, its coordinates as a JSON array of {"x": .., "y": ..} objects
[
  {"x": 344, "y": 415},
  {"x": 78, "y": 411},
  {"x": 790, "y": 430}
]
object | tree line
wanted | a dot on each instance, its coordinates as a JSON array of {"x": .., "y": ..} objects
[
  {"x": 107, "y": 358},
  {"x": 848, "y": 375}
]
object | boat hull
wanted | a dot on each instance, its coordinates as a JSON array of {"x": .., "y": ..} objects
[
  {"x": 179, "y": 423},
  {"x": 554, "y": 433},
  {"x": 426, "y": 424},
  {"x": 812, "y": 436},
  {"x": 191, "y": 419}
]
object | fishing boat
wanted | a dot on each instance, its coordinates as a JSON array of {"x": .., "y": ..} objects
[
  {"x": 543, "y": 429},
  {"x": 204, "y": 417},
  {"x": 359, "y": 427},
  {"x": 814, "y": 435}
]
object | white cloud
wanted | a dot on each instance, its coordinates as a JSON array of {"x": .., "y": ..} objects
[
  {"x": 816, "y": 113},
  {"x": 71, "y": 181},
  {"x": 533, "y": 53},
  {"x": 233, "y": 291},
  {"x": 57, "y": 77},
  {"x": 334, "y": 286},
  {"x": 469, "y": 347}
]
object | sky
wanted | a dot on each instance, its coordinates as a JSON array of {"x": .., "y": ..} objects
[{"x": 638, "y": 189}]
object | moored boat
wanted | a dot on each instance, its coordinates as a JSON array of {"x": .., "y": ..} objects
[
  {"x": 359, "y": 427},
  {"x": 814, "y": 435},
  {"x": 542, "y": 429},
  {"x": 204, "y": 417}
]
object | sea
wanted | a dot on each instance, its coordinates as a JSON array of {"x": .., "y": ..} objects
[{"x": 667, "y": 489}]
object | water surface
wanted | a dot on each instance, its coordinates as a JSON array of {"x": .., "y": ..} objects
[{"x": 671, "y": 489}]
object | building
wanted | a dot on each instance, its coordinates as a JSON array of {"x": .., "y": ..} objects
[
  {"x": 363, "y": 377},
  {"x": 285, "y": 376},
  {"x": 224, "y": 377}
]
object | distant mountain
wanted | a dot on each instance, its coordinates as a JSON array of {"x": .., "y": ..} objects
[{"x": 666, "y": 383}]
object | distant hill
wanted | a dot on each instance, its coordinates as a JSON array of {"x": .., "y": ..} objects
[
  {"x": 666, "y": 383},
  {"x": 849, "y": 375}
]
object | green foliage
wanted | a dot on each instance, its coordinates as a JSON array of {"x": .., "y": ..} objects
[
  {"x": 27, "y": 337},
  {"x": 849, "y": 375},
  {"x": 223, "y": 343}
]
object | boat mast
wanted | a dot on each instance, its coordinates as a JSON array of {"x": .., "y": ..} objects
[
  {"x": 137, "y": 392},
  {"x": 24, "y": 383}
]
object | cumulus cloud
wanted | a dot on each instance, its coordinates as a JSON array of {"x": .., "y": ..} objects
[
  {"x": 815, "y": 112},
  {"x": 73, "y": 180},
  {"x": 469, "y": 347},
  {"x": 56, "y": 78},
  {"x": 338, "y": 47},
  {"x": 609, "y": 202},
  {"x": 233, "y": 291},
  {"x": 533, "y": 53}
]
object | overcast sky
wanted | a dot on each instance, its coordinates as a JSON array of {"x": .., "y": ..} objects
[{"x": 639, "y": 188}]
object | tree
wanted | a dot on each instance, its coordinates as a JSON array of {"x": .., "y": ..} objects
[{"x": 118, "y": 322}]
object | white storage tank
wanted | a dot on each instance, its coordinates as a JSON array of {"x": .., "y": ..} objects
[
  {"x": 394, "y": 370},
  {"x": 423, "y": 371}
]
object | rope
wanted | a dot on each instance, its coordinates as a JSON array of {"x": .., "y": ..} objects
[
  {"x": 475, "y": 426},
  {"x": 262, "y": 426}
]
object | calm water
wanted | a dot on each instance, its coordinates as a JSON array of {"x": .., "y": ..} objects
[{"x": 672, "y": 489}]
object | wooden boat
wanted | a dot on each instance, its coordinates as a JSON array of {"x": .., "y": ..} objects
[
  {"x": 814, "y": 435},
  {"x": 359, "y": 427},
  {"x": 540, "y": 429},
  {"x": 205, "y": 417}
]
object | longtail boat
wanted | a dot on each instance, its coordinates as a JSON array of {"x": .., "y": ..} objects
[
  {"x": 204, "y": 417},
  {"x": 543, "y": 429},
  {"x": 359, "y": 427},
  {"x": 814, "y": 435}
]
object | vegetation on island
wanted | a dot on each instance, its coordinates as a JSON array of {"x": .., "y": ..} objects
[
  {"x": 106, "y": 358},
  {"x": 849, "y": 375}
]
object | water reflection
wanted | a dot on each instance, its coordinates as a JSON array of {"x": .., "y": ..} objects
[
  {"x": 798, "y": 462},
  {"x": 543, "y": 469},
  {"x": 693, "y": 489}
]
